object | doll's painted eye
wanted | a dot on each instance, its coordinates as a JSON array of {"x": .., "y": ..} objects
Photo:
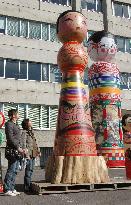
[
  {"x": 102, "y": 45},
  {"x": 68, "y": 19}
]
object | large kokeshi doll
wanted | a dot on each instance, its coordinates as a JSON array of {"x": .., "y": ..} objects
[
  {"x": 126, "y": 125},
  {"x": 2, "y": 139},
  {"x": 105, "y": 99},
  {"x": 75, "y": 157}
]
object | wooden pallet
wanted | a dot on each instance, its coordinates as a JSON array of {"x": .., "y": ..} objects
[{"x": 42, "y": 187}]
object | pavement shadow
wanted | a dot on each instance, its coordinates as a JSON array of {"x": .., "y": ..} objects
[{"x": 19, "y": 187}]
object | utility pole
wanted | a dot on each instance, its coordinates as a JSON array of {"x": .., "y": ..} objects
[{"x": 107, "y": 14}]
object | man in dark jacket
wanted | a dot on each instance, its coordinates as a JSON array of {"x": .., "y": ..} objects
[{"x": 13, "y": 135}]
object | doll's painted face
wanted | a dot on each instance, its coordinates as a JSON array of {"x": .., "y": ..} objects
[
  {"x": 72, "y": 27},
  {"x": 127, "y": 127},
  {"x": 102, "y": 50}
]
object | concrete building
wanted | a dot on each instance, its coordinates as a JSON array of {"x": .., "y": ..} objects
[{"x": 29, "y": 76}]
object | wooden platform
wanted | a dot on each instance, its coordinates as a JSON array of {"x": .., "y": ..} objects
[{"x": 42, "y": 187}]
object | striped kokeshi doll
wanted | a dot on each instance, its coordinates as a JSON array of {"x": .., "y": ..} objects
[{"x": 105, "y": 99}]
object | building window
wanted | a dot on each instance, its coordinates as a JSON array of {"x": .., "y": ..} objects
[
  {"x": 121, "y": 10},
  {"x": 34, "y": 115},
  {"x": 28, "y": 29},
  {"x": 34, "y": 71},
  {"x": 53, "y": 36},
  {"x": 62, "y": 2},
  {"x": 118, "y": 9},
  {"x": 120, "y": 43},
  {"x": 99, "y": 5},
  {"x": 11, "y": 69},
  {"x": 12, "y": 26},
  {"x": 128, "y": 45},
  {"x": 123, "y": 44},
  {"x": 93, "y": 5},
  {"x": 129, "y": 80},
  {"x": 34, "y": 30},
  {"x": 124, "y": 80},
  {"x": 87, "y": 37},
  {"x": 23, "y": 70},
  {"x": 84, "y": 4},
  {"x": 53, "y": 116},
  {"x": 65, "y": 2},
  {"x": 18, "y": 69},
  {"x": 2, "y": 24},
  {"x": 24, "y": 28},
  {"x": 45, "y": 72},
  {"x": 125, "y": 11},
  {"x": 54, "y": 1},
  {"x": 1, "y": 67},
  {"x": 44, "y": 117},
  {"x": 55, "y": 74},
  {"x": 45, "y": 31},
  {"x": 130, "y": 11},
  {"x": 22, "y": 113}
]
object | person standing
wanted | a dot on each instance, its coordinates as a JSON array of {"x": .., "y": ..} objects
[
  {"x": 12, "y": 152},
  {"x": 31, "y": 152}
]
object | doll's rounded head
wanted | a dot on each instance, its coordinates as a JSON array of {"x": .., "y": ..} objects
[
  {"x": 71, "y": 26},
  {"x": 126, "y": 123},
  {"x": 101, "y": 46}
]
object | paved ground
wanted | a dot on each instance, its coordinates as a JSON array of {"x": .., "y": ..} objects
[{"x": 83, "y": 198}]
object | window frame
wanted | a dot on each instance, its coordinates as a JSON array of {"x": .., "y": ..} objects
[
  {"x": 3, "y": 68},
  {"x": 128, "y": 87},
  {"x": 37, "y": 23},
  {"x": 54, "y": 74},
  {"x": 26, "y": 107},
  {"x": 125, "y": 40},
  {"x": 20, "y": 70},
  {"x": 126, "y": 45},
  {"x": 47, "y": 64},
  {"x": 30, "y": 62},
  {"x": 121, "y": 4},
  {"x": 27, "y": 34},
  {"x": 8, "y": 59},
  {"x": 59, "y": 3},
  {"x": 95, "y": 8},
  {"x": 4, "y": 19},
  {"x": 15, "y": 20}
]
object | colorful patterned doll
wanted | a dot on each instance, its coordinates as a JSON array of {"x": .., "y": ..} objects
[
  {"x": 126, "y": 125},
  {"x": 105, "y": 100},
  {"x": 2, "y": 139},
  {"x": 75, "y": 158}
]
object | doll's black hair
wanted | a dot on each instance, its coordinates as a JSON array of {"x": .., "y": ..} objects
[{"x": 98, "y": 35}]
